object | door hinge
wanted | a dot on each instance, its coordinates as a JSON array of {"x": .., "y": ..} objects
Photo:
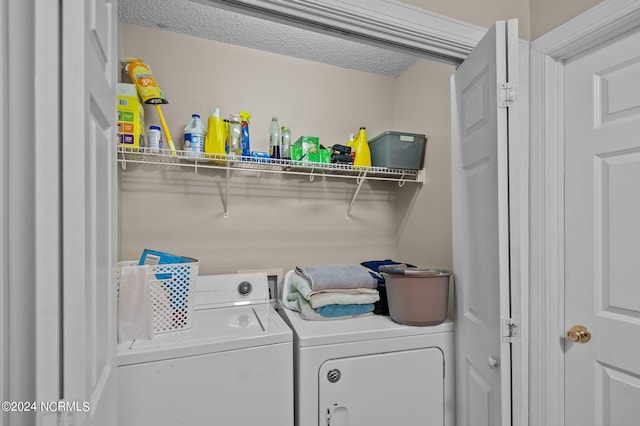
[
  {"x": 508, "y": 94},
  {"x": 509, "y": 330}
]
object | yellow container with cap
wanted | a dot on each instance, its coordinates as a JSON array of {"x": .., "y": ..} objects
[
  {"x": 363, "y": 154},
  {"x": 215, "y": 140}
]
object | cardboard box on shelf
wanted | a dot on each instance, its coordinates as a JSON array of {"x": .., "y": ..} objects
[{"x": 130, "y": 117}]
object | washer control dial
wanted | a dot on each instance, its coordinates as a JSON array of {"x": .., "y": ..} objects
[{"x": 245, "y": 288}]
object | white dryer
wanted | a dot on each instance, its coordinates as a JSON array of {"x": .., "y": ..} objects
[
  {"x": 233, "y": 367},
  {"x": 372, "y": 371}
]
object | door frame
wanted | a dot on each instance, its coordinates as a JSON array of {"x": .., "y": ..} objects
[
  {"x": 30, "y": 281},
  {"x": 548, "y": 54}
]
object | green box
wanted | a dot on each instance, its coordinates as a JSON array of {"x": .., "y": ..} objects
[
  {"x": 325, "y": 155},
  {"x": 306, "y": 149}
]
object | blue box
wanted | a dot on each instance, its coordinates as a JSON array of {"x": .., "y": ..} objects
[{"x": 153, "y": 257}]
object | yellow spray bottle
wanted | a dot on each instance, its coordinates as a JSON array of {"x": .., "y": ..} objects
[
  {"x": 363, "y": 154},
  {"x": 352, "y": 141},
  {"x": 214, "y": 142}
]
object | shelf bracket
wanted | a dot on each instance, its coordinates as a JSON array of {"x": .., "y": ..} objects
[
  {"x": 312, "y": 175},
  {"x": 360, "y": 180},
  {"x": 123, "y": 163},
  {"x": 225, "y": 200},
  {"x": 402, "y": 181}
]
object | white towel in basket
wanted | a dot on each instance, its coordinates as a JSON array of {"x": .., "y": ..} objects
[{"x": 135, "y": 318}]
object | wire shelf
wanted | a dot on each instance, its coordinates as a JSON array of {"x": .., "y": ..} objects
[
  {"x": 229, "y": 163},
  {"x": 269, "y": 165}
]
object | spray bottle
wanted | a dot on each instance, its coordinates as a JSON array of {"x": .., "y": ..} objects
[{"x": 244, "y": 121}]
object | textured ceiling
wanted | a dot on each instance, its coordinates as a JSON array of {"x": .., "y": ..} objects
[{"x": 209, "y": 22}]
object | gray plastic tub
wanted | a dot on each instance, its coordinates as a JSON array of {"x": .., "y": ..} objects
[
  {"x": 398, "y": 150},
  {"x": 416, "y": 296}
]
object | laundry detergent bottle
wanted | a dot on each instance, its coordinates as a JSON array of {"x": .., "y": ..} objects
[{"x": 216, "y": 139}]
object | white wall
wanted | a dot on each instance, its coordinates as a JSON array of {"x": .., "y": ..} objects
[
  {"x": 535, "y": 17},
  {"x": 274, "y": 221},
  {"x": 483, "y": 13},
  {"x": 426, "y": 238},
  {"x": 423, "y": 105},
  {"x": 546, "y": 15},
  {"x": 313, "y": 99}
]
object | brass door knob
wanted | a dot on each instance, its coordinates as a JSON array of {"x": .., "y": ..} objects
[{"x": 579, "y": 334}]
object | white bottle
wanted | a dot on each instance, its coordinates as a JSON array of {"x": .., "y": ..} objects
[
  {"x": 154, "y": 139},
  {"x": 274, "y": 138},
  {"x": 194, "y": 134}
]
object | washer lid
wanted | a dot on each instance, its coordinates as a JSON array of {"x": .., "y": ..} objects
[
  {"x": 354, "y": 329},
  {"x": 213, "y": 330}
]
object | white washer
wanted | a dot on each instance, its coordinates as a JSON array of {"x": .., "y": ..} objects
[
  {"x": 233, "y": 367},
  {"x": 372, "y": 371}
]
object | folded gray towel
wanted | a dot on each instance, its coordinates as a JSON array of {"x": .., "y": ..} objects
[{"x": 337, "y": 277}]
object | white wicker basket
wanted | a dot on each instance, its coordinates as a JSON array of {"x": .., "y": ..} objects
[{"x": 171, "y": 293}]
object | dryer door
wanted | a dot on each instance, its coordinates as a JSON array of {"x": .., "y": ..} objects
[{"x": 404, "y": 388}]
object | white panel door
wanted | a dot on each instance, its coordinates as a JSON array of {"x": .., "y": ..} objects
[
  {"x": 480, "y": 136},
  {"x": 602, "y": 235},
  {"x": 89, "y": 78},
  {"x": 394, "y": 388}
]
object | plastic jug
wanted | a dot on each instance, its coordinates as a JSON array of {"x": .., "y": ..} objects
[
  {"x": 363, "y": 154},
  {"x": 216, "y": 139},
  {"x": 194, "y": 133}
]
